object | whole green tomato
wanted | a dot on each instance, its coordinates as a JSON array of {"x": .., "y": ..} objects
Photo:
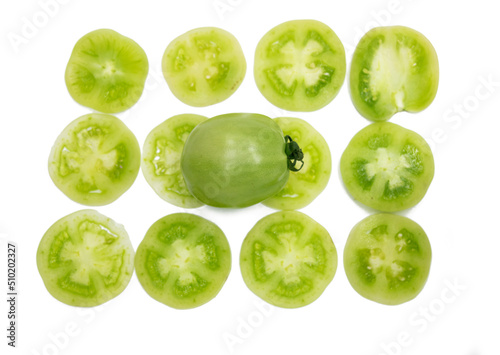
[{"x": 238, "y": 160}]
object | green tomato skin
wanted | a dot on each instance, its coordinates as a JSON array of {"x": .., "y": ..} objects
[
  {"x": 161, "y": 163},
  {"x": 235, "y": 160},
  {"x": 305, "y": 185}
]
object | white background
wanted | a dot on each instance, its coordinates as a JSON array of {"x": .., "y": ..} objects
[{"x": 459, "y": 212}]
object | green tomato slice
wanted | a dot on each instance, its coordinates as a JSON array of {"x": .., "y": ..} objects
[
  {"x": 387, "y": 258},
  {"x": 161, "y": 161},
  {"x": 204, "y": 66},
  {"x": 183, "y": 261},
  {"x": 235, "y": 160},
  {"x": 288, "y": 259},
  {"x": 305, "y": 185},
  {"x": 106, "y": 71},
  {"x": 387, "y": 167},
  {"x": 393, "y": 69},
  {"x": 300, "y": 65},
  {"x": 85, "y": 259},
  {"x": 95, "y": 159}
]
